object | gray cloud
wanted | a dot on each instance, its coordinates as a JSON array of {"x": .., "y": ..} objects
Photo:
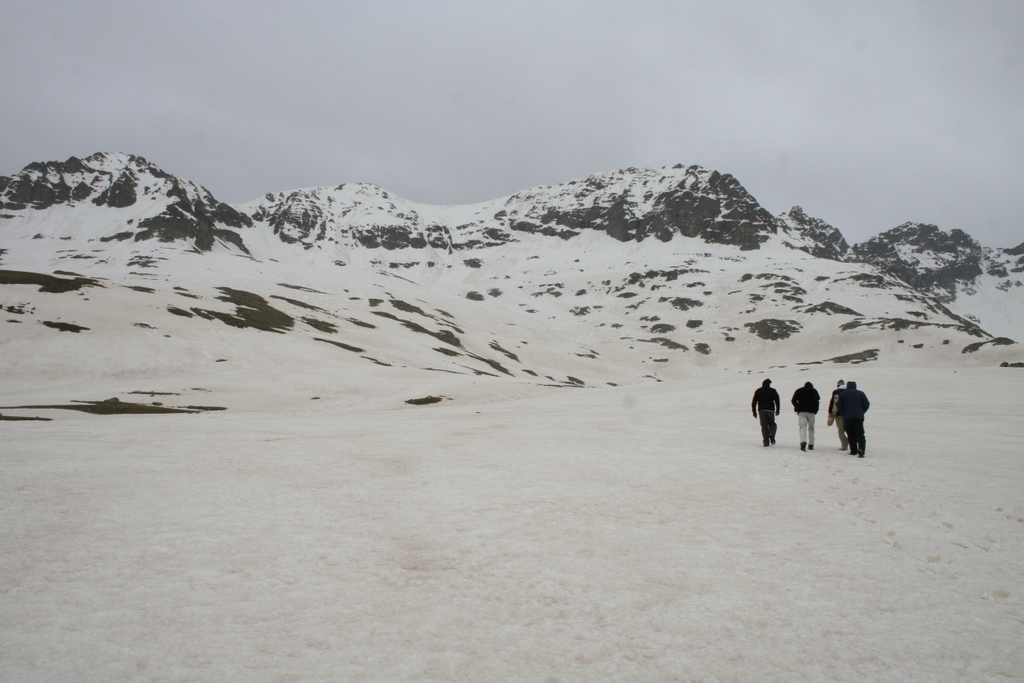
[{"x": 867, "y": 114}]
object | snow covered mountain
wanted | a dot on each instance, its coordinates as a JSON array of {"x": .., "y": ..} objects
[
  {"x": 150, "y": 203},
  {"x": 981, "y": 283},
  {"x": 621, "y": 277},
  {"x": 629, "y": 205},
  {"x": 812, "y": 235}
]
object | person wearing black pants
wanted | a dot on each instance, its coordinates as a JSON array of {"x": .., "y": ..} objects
[
  {"x": 855, "y": 435},
  {"x": 853, "y": 404}
]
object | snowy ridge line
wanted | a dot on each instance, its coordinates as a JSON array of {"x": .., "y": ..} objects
[{"x": 119, "y": 207}]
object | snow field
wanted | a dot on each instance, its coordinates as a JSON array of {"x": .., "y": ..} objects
[{"x": 634, "y": 533}]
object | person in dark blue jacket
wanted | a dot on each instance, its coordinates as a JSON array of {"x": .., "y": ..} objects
[{"x": 853, "y": 404}]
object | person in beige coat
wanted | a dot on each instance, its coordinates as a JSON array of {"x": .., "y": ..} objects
[{"x": 835, "y": 416}]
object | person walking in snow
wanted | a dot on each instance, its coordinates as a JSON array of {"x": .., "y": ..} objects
[
  {"x": 835, "y": 416},
  {"x": 765, "y": 407},
  {"x": 853, "y": 404},
  {"x": 805, "y": 402}
]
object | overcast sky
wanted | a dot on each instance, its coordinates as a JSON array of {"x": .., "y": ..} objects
[{"x": 865, "y": 113}]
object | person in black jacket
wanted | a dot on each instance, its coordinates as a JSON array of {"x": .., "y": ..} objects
[
  {"x": 853, "y": 403},
  {"x": 765, "y": 407},
  {"x": 805, "y": 402}
]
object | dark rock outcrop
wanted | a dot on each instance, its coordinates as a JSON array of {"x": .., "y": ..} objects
[
  {"x": 41, "y": 185},
  {"x": 634, "y": 205},
  {"x": 928, "y": 259},
  {"x": 363, "y": 214},
  {"x": 190, "y": 213},
  {"x": 813, "y": 235}
]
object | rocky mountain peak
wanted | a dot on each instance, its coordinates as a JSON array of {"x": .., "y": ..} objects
[
  {"x": 925, "y": 257},
  {"x": 175, "y": 209},
  {"x": 636, "y": 204},
  {"x": 813, "y": 235},
  {"x": 104, "y": 179},
  {"x": 628, "y": 205}
]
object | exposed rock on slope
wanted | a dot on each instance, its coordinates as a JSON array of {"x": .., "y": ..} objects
[
  {"x": 639, "y": 203},
  {"x": 174, "y": 209},
  {"x": 813, "y": 235},
  {"x": 630, "y": 205},
  {"x": 925, "y": 257}
]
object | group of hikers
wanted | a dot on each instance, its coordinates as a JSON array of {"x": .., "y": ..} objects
[{"x": 846, "y": 409}]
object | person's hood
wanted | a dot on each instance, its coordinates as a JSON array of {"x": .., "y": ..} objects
[
  {"x": 808, "y": 386},
  {"x": 851, "y": 385}
]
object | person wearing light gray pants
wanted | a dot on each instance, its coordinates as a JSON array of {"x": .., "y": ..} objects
[{"x": 805, "y": 403}]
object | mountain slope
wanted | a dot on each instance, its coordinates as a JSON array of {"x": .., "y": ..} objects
[
  {"x": 623, "y": 277},
  {"x": 980, "y": 283}
]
